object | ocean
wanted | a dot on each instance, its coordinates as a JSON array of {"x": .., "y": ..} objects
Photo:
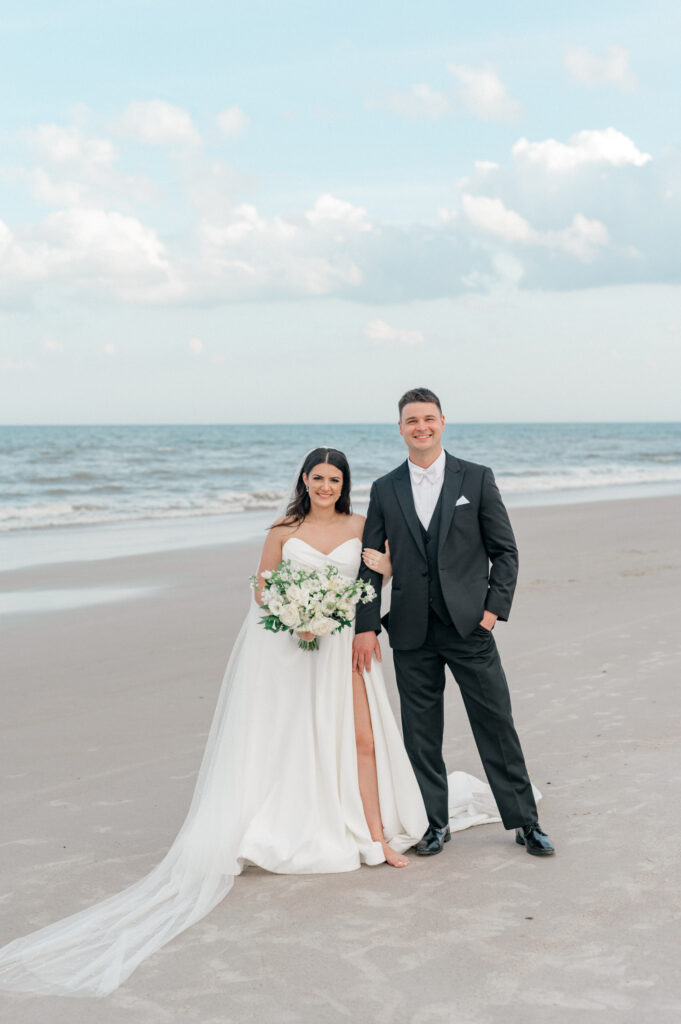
[{"x": 181, "y": 484}]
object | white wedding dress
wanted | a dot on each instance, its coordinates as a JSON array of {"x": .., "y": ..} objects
[{"x": 277, "y": 787}]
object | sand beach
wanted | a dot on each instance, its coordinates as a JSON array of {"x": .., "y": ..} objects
[{"x": 110, "y": 672}]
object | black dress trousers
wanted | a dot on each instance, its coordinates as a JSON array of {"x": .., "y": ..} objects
[{"x": 476, "y": 666}]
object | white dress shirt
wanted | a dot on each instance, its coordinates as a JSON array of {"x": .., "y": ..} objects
[{"x": 426, "y": 485}]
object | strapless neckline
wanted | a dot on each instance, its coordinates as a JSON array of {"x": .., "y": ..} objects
[{"x": 324, "y": 554}]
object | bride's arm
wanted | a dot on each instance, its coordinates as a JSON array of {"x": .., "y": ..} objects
[
  {"x": 379, "y": 561},
  {"x": 269, "y": 559}
]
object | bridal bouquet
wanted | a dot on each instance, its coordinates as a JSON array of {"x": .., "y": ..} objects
[{"x": 318, "y": 601}]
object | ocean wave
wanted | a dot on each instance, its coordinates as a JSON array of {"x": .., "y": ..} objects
[
  {"x": 70, "y": 513},
  {"x": 70, "y": 476},
  {"x": 580, "y": 479},
  {"x": 63, "y": 513}
]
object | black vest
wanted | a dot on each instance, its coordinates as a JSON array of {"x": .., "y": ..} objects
[{"x": 431, "y": 538}]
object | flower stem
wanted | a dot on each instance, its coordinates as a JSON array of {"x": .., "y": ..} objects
[{"x": 309, "y": 645}]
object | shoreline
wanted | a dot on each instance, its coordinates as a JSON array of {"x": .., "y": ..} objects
[
  {"x": 42, "y": 546},
  {"x": 126, "y": 574}
]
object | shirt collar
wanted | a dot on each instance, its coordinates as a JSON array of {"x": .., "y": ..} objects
[{"x": 435, "y": 471}]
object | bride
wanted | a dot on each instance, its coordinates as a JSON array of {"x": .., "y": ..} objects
[{"x": 304, "y": 771}]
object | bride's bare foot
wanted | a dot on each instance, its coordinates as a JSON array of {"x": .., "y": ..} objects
[{"x": 398, "y": 860}]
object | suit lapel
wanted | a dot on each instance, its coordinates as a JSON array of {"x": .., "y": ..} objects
[
  {"x": 451, "y": 489},
  {"x": 402, "y": 485}
]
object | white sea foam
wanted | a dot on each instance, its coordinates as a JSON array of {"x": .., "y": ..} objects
[
  {"x": 581, "y": 477},
  {"x": 84, "y": 476}
]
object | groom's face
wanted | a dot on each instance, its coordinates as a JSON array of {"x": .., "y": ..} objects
[{"x": 421, "y": 426}]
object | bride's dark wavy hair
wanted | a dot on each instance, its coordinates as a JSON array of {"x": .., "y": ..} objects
[{"x": 299, "y": 506}]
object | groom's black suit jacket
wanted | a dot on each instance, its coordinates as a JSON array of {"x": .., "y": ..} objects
[{"x": 472, "y": 535}]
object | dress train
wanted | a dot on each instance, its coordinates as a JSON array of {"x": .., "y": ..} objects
[{"x": 277, "y": 787}]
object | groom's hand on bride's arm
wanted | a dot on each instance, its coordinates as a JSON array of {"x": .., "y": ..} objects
[{"x": 364, "y": 646}]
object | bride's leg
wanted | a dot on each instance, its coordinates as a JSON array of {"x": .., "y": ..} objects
[{"x": 366, "y": 769}]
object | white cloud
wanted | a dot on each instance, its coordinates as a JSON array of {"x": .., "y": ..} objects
[
  {"x": 246, "y": 255},
  {"x": 59, "y": 144},
  {"x": 78, "y": 169},
  {"x": 56, "y": 193},
  {"x": 612, "y": 69},
  {"x": 195, "y": 346},
  {"x": 232, "y": 121},
  {"x": 6, "y": 238},
  {"x": 211, "y": 185},
  {"x": 420, "y": 101},
  {"x": 582, "y": 238},
  {"x": 109, "y": 349},
  {"x": 515, "y": 224},
  {"x": 105, "y": 241},
  {"x": 607, "y": 146},
  {"x": 51, "y": 345},
  {"x": 329, "y": 210},
  {"x": 157, "y": 123},
  {"x": 245, "y": 223},
  {"x": 23, "y": 261},
  {"x": 381, "y": 332},
  {"x": 482, "y": 92},
  {"x": 486, "y": 166},
  {"x": 88, "y": 250},
  {"x": 490, "y": 215}
]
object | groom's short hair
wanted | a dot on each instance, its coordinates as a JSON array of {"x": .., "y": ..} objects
[{"x": 418, "y": 395}]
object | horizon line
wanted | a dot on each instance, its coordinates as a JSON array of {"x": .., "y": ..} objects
[{"x": 346, "y": 423}]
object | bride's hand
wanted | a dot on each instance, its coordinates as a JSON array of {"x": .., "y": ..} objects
[
  {"x": 379, "y": 561},
  {"x": 309, "y": 637}
]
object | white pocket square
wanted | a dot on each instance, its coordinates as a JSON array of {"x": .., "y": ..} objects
[{"x": 462, "y": 501}]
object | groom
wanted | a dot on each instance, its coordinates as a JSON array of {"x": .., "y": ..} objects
[{"x": 455, "y": 565}]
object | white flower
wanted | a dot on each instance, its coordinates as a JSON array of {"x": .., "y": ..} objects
[
  {"x": 321, "y": 626},
  {"x": 290, "y": 615},
  {"x": 304, "y": 600}
]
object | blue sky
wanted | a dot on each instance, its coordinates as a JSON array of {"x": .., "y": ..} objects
[{"x": 218, "y": 212}]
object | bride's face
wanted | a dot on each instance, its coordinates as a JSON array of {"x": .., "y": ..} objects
[{"x": 325, "y": 484}]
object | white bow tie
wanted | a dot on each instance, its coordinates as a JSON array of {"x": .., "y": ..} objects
[{"x": 418, "y": 474}]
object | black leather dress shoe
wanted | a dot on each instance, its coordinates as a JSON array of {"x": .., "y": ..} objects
[
  {"x": 534, "y": 839},
  {"x": 433, "y": 841}
]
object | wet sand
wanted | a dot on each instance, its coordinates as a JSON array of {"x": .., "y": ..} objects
[{"x": 106, "y": 708}]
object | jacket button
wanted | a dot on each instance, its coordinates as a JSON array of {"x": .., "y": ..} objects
[{"x": 424, "y": 572}]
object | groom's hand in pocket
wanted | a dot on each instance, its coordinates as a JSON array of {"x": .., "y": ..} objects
[
  {"x": 488, "y": 620},
  {"x": 364, "y": 646}
]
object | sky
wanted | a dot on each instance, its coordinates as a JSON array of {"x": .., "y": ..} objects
[{"x": 294, "y": 212}]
